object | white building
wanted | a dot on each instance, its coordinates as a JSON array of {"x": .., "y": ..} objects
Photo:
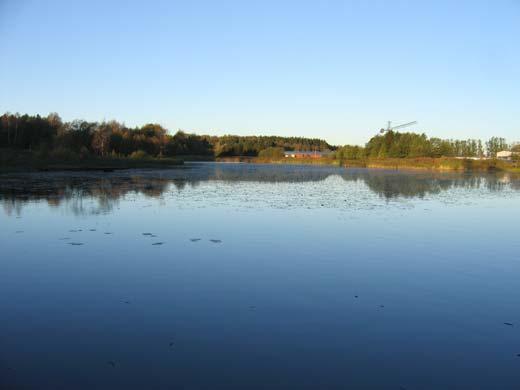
[{"x": 505, "y": 155}]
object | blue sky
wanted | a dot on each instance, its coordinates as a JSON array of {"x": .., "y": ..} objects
[{"x": 331, "y": 69}]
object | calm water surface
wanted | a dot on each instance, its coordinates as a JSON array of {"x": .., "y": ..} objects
[{"x": 231, "y": 276}]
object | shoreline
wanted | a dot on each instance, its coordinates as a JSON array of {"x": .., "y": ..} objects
[
  {"x": 101, "y": 165},
  {"x": 25, "y": 163},
  {"x": 423, "y": 163}
]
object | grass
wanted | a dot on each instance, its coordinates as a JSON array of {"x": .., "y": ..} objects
[
  {"x": 283, "y": 160},
  {"x": 23, "y": 161},
  {"x": 423, "y": 163},
  {"x": 444, "y": 164}
]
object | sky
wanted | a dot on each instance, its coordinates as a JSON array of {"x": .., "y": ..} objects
[{"x": 337, "y": 70}]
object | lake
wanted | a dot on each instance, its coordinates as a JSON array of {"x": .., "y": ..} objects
[{"x": 243, "y": 276}]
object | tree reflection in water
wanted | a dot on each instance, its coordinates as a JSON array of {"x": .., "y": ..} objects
[{"x": 76, "y": 189}]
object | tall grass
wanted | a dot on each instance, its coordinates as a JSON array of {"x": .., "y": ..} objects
[{"x": 423, "y": 163}]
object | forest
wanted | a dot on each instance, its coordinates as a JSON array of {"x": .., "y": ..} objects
[
  {"x": 408, "y": 145},
  {"x": 50, "y": 137}
]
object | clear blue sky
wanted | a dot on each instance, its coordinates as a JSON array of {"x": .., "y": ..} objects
[{"x": 331, "y": 69}]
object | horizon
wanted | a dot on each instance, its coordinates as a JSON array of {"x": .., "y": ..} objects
[{"x": 337, "y": 71}]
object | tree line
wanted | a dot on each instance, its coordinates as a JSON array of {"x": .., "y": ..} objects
[
  {"x": 401, "y": 145},
  {"x": 51, "y": 136},
  {"x": 82, "y": 138}
]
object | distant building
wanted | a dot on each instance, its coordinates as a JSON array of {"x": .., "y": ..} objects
[
  {"x": 505, "y": 155},
  {"x": 305, "y": 154},
  {"x": 470, "y": 158}
]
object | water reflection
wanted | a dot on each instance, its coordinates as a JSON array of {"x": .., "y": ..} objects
[
  {"x": 390, "y": 184},
  {"x": 255, "y": 274},
  {"x": 106, "y": 189}
]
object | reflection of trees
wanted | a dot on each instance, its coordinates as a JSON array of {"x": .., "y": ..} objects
[
  {"x": 394, "y": 184},
  {"x": 93, "y": 193},
  {"x": 75, "y": 191}
]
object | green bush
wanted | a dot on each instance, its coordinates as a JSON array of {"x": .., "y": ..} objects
[
  {"x": 139, "y": 155},
  {"x": 272, "y": 152},
  {"x": 42, "y": 152},
  {"x": 65, "y": 154}
]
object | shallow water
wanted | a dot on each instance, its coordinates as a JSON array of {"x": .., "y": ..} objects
[{"x": 242, "y": 276}]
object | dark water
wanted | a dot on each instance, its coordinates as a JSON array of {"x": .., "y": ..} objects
[{"x": 240, "y": 276}]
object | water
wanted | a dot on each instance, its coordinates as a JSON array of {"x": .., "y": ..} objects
[{"x": 239, "y": 276}]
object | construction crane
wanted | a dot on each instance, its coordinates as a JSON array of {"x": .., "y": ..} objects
[{"x": 390, "y": 127}]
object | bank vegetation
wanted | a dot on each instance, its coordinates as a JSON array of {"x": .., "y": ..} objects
[{"x": 48, "y": 142}]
